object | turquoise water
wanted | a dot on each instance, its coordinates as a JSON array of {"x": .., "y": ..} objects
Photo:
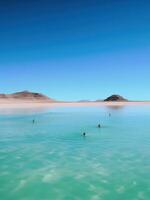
[{"x": 50, "y": 160}]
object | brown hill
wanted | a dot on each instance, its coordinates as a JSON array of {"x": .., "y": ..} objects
[
  {"x": 26, "y": 95},
  {"x": 3, "y": 96}
]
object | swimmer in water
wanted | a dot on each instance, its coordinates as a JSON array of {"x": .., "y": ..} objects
[
  {"x": 84, "y": 134},
  {"x": 109, "y": 114},
  {"x": 33, "y": 121},
  {"x": 99, "y": 126}
]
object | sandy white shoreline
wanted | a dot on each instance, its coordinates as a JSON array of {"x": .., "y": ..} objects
[{"x": 39, "y": 104}]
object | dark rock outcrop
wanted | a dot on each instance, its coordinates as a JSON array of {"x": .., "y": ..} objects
[{"x": 115, "y": 98}]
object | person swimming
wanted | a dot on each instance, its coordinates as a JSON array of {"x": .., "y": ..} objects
[
  {"x": 33, "y": 121},
  {"x": 99, "y": 126},
  {"x": 84, "y": 134},
  {"x": 109, "y": 114}
]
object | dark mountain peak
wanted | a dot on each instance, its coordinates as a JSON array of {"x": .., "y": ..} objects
[{"x": 115, "y": 97}]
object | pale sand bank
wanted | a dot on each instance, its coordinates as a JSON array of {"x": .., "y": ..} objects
[{"x": 39, "y": 104}]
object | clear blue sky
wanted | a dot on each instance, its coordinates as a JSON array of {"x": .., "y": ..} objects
[{"x": 76, "y": 49}]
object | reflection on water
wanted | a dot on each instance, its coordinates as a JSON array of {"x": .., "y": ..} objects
[
  {"x": 17, "y": 111},
  {"x": 115, "y": 107},
  {"x": 51, "y": 160}
]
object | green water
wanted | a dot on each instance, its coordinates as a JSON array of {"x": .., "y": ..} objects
[{"x": 50, "y": 160}]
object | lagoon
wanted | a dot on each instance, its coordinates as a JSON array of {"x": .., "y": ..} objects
[{"x": 51, "y": 160}]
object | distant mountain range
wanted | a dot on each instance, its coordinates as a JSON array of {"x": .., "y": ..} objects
[{"x": 32, "y": 96}]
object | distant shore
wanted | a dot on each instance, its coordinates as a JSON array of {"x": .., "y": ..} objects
[{"x": 38, "y": 104}]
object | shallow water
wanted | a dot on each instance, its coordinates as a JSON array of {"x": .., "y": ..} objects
[{"x": 50, "y": 160}]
